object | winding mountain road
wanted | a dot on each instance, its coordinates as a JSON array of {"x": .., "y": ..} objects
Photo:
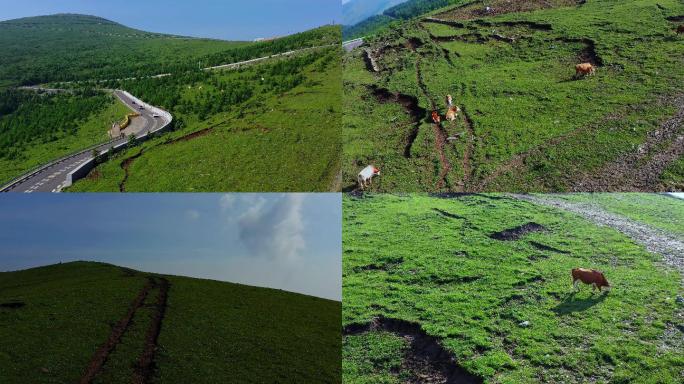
[{"x": 52, "y": 177}]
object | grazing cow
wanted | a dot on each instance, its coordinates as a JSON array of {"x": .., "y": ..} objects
[
  {"x": 449, "y": 101},
  {"x": 584, "y": 69},
  {"x": 680, "y": 29},
  {"x": 589, "y": 276},
  {"x": 452, "y": 112},
  {"x": 436, "y": 118},
  {"x": 365, "y": 177}
]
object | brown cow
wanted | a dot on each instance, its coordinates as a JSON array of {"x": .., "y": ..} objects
[
  {"x": 589, "y": 276},
  {"x": 436, "y": 118},
  {"x": 584, "y": 69},
  {"x": 452, "y": 112},
  {"x": 680, "y": 29}
]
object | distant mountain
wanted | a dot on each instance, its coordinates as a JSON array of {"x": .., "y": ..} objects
[{"x": 355, "y": 11}]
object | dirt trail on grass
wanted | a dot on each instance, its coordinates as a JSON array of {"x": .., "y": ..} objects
[
  {"x": 125, "y": 165},
  {"x": 100, "y": 357},
  {"x": 427, "y": 361},
  {"x": 667, "y": 245},
  {"x": 410, "y": 105},
  {"x": 440, "y": 134},
  {"x": 641, "y": 170},
  {"x": 144, "y": 368}
]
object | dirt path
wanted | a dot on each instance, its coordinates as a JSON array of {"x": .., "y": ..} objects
[
  {"x": 125, "y": 165},
  {"x": 440, "y": 134},
  {"x": 100, "y": 357},
  {"x": 144, "y": 368},
  {"x": 641, "y": 170},
  {"x": 427, "y": 361},
  {"x": 668, "y": 246}
]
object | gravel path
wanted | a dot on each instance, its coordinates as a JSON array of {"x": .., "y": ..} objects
[{"x": 665, "y": 244}]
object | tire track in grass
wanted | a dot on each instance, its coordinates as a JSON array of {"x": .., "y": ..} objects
[
  {"x": 427, "y": 361},
  {"x": 440, "y": 135},
  {"x": 145, "y": 366},
  {"x": 100, "y": 356}
]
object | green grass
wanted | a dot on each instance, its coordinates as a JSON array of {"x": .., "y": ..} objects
[
  {"x": 404, "y": 260},
  {"x": 212, "y": 331},
  {"x": 520, "y": 97},
  {"x": 659, "y": 211},
  {"x": 273, "y": 141},
  {"x": 79, "y": 47},
  {"x": 51, "y": 144}
]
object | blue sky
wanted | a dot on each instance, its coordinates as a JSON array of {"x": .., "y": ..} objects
[
  {"x": 286, "y": 241},
  {"x": 221, "y": 19}
]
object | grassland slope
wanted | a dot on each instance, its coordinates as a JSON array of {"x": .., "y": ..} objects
[
  {"x": 107, "y": 324},
  {"x": 481, "y": 284}
]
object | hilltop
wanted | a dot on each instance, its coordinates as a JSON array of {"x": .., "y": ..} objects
[{"x": 117, "y": 325}]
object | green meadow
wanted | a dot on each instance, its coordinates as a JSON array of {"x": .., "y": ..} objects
[
  {"x": 427, "y": 281},
  {"x": 281, "y": 134},
  {"x": 56, "y": 317},
  {"x": 527, "y": 122}
]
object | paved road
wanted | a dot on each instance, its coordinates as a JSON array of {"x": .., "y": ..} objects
[
  {"x": 351, "y": 44},
  {"x": 52, "y": 178}
]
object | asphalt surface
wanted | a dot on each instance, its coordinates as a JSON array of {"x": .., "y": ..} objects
[
  {"x": 351, "y": 44},
  {"x": 52, "y": 178}
]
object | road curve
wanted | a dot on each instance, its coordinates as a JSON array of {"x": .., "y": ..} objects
[
  {"x": 351, "y": 44},
  {"x": 53, "y": 177}
]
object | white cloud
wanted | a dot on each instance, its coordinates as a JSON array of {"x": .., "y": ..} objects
[
  {"x": 274, "y": 230},
  {"x": 227, "y": 201}
]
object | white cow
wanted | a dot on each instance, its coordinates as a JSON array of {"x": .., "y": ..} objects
[{"x": 366, "y": 176}]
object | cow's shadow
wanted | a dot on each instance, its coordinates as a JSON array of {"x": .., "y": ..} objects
[{"x": 569, "y": 304}]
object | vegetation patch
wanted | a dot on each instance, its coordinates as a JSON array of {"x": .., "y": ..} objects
[{"x": 505, "y": 311}]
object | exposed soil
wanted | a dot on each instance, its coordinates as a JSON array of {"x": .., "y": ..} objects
[
  {"x": 410, "y": 105},
  {"x": 194, "y": 135},
  {"x": 98, "y": 359},
  {"x": 379, "y": 266},
  {"x": 427, "y": 361},
  {"x": 448, "y": 214},
  {"x": 668, "y": 246},
  {"x": 641, "y": 169},
  {"x": 435, "y": 20},
  {"x": 440, "y": 134},
  {"x": 478, "y": 9},
  {"x": 13, "y": 304},
  {"x": 413, "y": 43},
  {"x": 544, "y": 247},
  {"x": 144, "y": 368},
  {"x": 516, "y": 233},
  {"x": 527, "y": 24},
  {"x": 676, "y": 19},
  {"x": 588, "y": 53},
  {"x": 440, "y": 142},
  {"x": 125, "y": 165}
]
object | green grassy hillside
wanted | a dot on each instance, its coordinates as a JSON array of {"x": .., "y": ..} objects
[
  {"x": 433, "y": 289},
  {"x": 37, "y": 128},
  {"x": 527, "y": 123},
  {"x": 180, "y": 330},
  {"x": 79, "y": 47},
  {"x": 273, "y": 126},
  {"x": 269, "y": 127}
]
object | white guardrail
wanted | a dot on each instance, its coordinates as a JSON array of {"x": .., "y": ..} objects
[
  {"x": 82, "y": 170},
  {"x": 85, "y": 167}
]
